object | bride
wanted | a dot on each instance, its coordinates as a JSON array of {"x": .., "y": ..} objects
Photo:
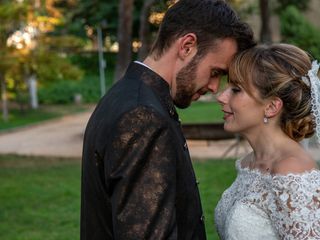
[{"x": 273, "y": 100}]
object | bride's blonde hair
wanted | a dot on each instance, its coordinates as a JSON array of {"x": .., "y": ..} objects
[{"x": 276, "y": 71}]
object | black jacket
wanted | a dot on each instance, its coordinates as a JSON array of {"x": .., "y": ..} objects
[{"x": 137, "y": 177}]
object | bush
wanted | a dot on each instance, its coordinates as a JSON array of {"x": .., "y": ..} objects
[
  {"x": 89, "y": 61},
  {"x": 300, "y": 5},
  {"x": 89, "y": 88},
  {"x": 60, "y": 92},
  {"x": 295, "y": 29},
  {"x": 64, "y": 91}
]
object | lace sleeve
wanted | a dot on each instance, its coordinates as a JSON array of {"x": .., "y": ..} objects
[{"x": 295, "y": 205}]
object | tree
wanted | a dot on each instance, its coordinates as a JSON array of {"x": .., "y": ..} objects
[
  {"x": 265, "y": 31},
  {"x": 29, "y": 44},
  {"x": 144, "y": 31},
  {"x": 279, "y": 6},
  {"x": 42, "y": 19},
  {"x": 10, "y": 15},
  {"x": 132, "y": 23},
  {"x": 297, "y": 30},
  {"x": 124, "y": 37},
  {"x": 86, "y": 16},
  {"x": 5, "y": 113},
  {"x": 300, "y": 5},
  {"x": 150, "y": 18}
]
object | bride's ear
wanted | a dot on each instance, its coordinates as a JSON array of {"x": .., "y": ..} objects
[{"x": 274, "y": 107}]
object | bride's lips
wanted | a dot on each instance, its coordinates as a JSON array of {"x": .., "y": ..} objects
[{"x": 227, "y": 114}]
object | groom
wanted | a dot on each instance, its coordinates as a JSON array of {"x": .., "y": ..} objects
[{"x": 137, "y": 177}]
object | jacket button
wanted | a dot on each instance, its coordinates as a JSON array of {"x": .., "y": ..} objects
[
  {"x": 96, "y": 158},
  {"x": 185, "y": 145}
]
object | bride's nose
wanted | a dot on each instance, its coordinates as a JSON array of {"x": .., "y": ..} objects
[{"x": 222, "y": 97}]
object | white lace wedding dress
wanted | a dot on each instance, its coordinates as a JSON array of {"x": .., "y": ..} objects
[{"x": 259, "y": 206}]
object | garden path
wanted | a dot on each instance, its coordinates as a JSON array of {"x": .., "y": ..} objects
[{"x": 63, "y": 138}]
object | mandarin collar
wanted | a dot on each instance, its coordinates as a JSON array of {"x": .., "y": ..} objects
[{"x": 156, "y": 83}]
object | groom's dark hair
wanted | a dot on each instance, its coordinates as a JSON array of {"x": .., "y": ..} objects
[{"x": 209, "y": 20}]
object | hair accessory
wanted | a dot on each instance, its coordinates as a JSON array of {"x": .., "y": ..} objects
[{"x": 315, "y": 95}]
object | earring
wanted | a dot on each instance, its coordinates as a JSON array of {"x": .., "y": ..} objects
[{"x": 265, "y": 120}]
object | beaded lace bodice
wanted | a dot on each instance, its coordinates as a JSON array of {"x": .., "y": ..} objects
[{"x": 264, "y": 206}]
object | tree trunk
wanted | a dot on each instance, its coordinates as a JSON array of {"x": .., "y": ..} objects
[
  {"x": 94, "y": 42},
  {"x": 32, "y": 83},
  {"x": 102, "y": 62},
  {"x": 144, "y": 31},
  {"x": 5, "y": 111},
  {"x": 265, "y": 32},
  {"x": 37, "y": 3},
  {"x": 124, "y": 37}
]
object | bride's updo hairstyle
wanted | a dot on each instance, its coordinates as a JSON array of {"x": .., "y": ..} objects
[{"x": 276, "y": 71}]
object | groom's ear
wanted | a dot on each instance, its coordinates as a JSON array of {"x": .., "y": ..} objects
[
  {"x": 274, "y": 107},
  {"x": 187, "y": 46}
]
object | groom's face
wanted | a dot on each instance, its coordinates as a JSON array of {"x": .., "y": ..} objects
[{"x": 202, "y": 75}]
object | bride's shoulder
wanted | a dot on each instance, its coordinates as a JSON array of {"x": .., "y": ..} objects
[{"x": 302, "y": 163}]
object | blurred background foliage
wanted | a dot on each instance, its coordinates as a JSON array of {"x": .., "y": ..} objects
[
  {"x": 55, "y": 43},
  {"x": 295, "y": 29}
]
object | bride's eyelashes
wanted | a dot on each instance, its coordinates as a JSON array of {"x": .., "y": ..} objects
[{"x": 235, "y": 90}]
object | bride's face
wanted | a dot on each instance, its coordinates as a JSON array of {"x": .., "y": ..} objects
[{"x": 242, "y": 112}]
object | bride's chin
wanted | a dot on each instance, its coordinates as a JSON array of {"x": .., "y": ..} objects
[{"x": 228, "y": 128}]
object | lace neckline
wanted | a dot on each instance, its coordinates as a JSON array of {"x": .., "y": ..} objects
[{"x": 255, "y": 171}]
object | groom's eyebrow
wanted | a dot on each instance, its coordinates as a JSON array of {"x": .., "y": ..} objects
[
  {"x": 220, "y": 70},
  {"x": 223, "y": 71}
]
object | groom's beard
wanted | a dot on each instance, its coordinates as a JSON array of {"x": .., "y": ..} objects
[{"x": 185, "y": 84}]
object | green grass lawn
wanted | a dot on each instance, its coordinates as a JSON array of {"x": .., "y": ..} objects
[
  {"x": 214, "y": 176},
  {"x": 40, "y": 197}
]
